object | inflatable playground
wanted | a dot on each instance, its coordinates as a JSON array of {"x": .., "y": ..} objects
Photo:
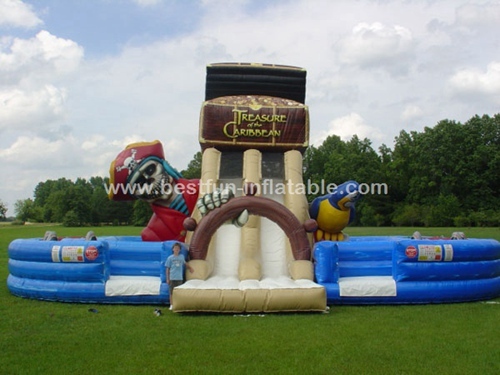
[{"x": 248, "y": 233}]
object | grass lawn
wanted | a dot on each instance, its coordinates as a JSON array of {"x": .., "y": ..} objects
[{"x": 60, "y": 338}]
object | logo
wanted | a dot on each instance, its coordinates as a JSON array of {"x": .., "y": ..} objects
[
  {"x": 411, "y": 251},
  {"x": 91, "y": 253},
  {"x": 245, "y": 124}
]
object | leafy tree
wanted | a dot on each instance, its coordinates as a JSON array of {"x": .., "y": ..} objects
[
  {"x": 442, "y": 212},
  {"x": 56, "y": 198},
  {"x": 194, "y": 167},
  {"x": 408, "y": 215},
  {"x": 142, "y": 213},
  {"x": 449, "y": 160},
  {"x": 486, "y": 218},
  {"x": 71, "y": 219},
  {"x": 370, "y": 217},
  {"x": 26, "y": 210},
  {"x": 479, "y": 184},
  {"x": 119, "y": 212},
  {"x": 99, "y": 201},
  {"x": 402, "y": 165},
  {"x": 44, "y": 189},
  {"x": 3, "y": 210}
]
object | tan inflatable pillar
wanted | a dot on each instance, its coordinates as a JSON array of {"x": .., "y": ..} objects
[
  {"x": 296, "y": 201},
  {"x": 210, "y": 166},
  {"x": 250, "y": 262}
]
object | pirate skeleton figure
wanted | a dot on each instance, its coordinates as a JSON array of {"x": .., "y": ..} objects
[{"x": 141, "y": 172}]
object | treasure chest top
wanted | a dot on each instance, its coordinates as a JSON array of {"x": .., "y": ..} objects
[
  {"x": 282, "y": 81},
  {"x": 254, "y": 121}
]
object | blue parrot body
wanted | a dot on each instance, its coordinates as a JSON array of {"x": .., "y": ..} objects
[{"x": 333, "y": 212}]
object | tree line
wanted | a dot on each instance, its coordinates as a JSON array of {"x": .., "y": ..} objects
[
  {"x": 75, "y": 203},
  {"x": 446, "y": 175},
  {"x": 85, "y": 202}
]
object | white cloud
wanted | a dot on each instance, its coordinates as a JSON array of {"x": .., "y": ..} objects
[
  {"x": 377, "y": 45},
  {"x": 31, "y": 70},
  {"x": 478, "y": 15},
  {"x": 18, "y": 14},
  {"x": 41, "y": 57},
  {"x": 411, "y": 112},
  {"x": 347, "y": 126},
  {"x": 33, "y": 159},
  {"x": 147, "y": 3},
  {"x": 31, "y": 110},
  {"x": 68, "y": 156},
  {"x": 37, "y": 152},
  {"x": 473, "y": 81},
  {"x": 92, "y": 142}
]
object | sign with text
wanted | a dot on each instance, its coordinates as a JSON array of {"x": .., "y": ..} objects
[{"x": 252, "y": 121}]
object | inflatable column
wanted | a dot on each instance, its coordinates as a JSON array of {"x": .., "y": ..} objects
[
  {"x": 296, "y": 201},
  {"x": 208, "y": 181},
  {"x": 250, "y": 265}
]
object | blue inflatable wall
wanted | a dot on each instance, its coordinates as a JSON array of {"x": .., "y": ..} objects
[
  {"x": 75, "y": 270},
  {"x": 424, "y": 271},
  {"x": 420, "y": 271}
]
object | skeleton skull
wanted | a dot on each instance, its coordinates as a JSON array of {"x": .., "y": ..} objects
[{"x": 151, "y": 182}]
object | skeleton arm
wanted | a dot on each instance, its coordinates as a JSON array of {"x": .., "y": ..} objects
[{"x": 216, "y": 199}]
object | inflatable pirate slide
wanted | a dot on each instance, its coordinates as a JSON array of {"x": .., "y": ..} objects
[{"x": 254, "y": 126}]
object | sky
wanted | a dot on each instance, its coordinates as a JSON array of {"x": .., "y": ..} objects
[{"x": 79, "y": 80}]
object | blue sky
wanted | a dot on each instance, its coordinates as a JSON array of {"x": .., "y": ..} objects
[
  {"x": 81, "y": 79},
  {"x": 105, "y": 27}
]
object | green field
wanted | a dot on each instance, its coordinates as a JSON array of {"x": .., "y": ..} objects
[{"x": 59, "y": 338}]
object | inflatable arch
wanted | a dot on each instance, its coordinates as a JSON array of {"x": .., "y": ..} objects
[{"x": 265, "y": 207}]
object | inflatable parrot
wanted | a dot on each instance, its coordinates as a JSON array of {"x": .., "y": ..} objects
[{"x": 333, "y": 212}]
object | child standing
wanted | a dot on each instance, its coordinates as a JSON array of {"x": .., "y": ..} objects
[{"x": 174, "y": 265}]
